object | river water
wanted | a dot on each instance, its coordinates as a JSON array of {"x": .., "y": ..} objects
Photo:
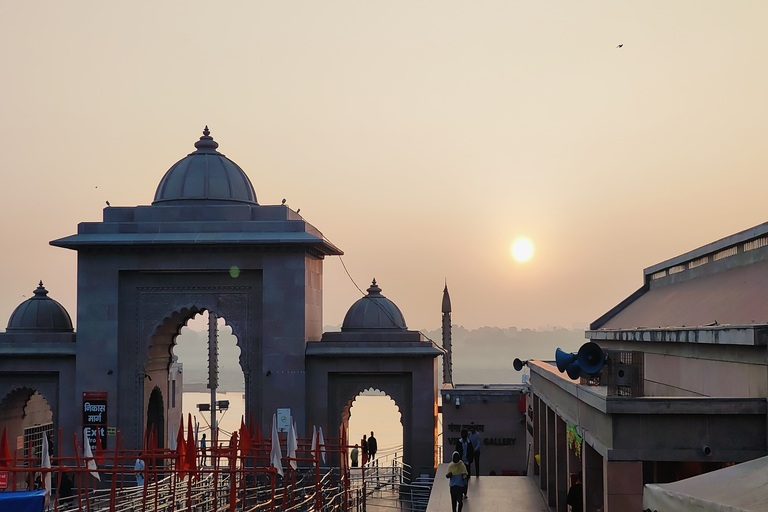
[{"x": 376, "y": 413}]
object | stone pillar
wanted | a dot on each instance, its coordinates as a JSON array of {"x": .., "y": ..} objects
[
  {"x": 623, "y": 485},
  {"x": 561, "y": 466},
  {"x": 592, "y": 478},
  {"x": 551, "y": 459}
]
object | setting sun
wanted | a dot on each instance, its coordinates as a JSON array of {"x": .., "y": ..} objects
[{"x": 522, "y": 249}]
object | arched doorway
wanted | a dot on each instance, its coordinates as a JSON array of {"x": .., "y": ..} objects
[
  {"x": 375, "y": 411},
  {"x": 155, "y": 431},
  {"x": 26, "y": 416},
  {"x": 227, "y": 404}
]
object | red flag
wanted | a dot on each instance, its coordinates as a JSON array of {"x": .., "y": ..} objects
[
  {"x": 5, "y": 452},
  {"x": 99, "y": 455},
  {"x": 191, "y": 449},
  {"x": 245, "y": 439},
  {"x": 181, "y": 451}
]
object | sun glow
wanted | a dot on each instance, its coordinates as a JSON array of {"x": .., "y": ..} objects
[{"x": 522, "y": 249}]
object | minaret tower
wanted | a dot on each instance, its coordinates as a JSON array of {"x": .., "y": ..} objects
[{"x": 447, "y": 361}]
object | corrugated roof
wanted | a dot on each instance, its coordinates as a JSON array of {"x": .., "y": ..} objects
[{"x": 736, "y": 296}]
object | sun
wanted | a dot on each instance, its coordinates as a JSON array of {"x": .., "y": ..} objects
[{"x": 522, "y": 249}]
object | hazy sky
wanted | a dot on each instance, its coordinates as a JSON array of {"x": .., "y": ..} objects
[{"x": 419, "y": 137}]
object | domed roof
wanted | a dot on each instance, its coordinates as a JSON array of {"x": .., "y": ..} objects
[
  {"x": 374, "y": 311},
  {"x": 205, "y": 176},
  {"x": 40, "y": 313}
]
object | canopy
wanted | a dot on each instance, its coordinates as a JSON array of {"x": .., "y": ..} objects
[
  {"x": 22, "y": 501},
  {"x": 743, "y": 487}
]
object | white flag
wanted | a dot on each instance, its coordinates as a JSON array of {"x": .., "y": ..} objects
[
  {"x": 46, "y": 463},
  {"x": 88, "y": 456},
  {"x": 321, "y": 444},
  {"x": 291, "y": 448},
  {"x": 276, "y": 455},
  {"x": 313, "y": 446}
]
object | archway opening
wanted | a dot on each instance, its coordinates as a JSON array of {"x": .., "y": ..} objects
[
  {"x": 374, "y": 411},
  {"x": 27, "y": 417},
  {"x": 191, "y": 352},
  {"x": 155, "y": 419}
]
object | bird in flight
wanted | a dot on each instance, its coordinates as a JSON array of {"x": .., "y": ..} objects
[{"x": 619, "y": 46}]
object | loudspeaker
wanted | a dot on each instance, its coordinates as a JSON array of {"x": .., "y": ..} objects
[
  {"x": 566, "y": 362},
  {"x": 591, "y": 358},
  {"x": 563, "y": 359},
  {"x": 517, "y": 364}
]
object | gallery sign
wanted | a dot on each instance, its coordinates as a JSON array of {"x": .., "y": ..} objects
[{"x": 95, "y": 417}]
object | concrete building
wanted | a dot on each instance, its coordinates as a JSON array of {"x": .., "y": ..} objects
[{"x": 684, "y": 388}]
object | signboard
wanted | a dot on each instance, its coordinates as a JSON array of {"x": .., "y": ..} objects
[
  {"x": 95, "y": 417},
  {"x": 283, "y": 419},
  {"x": 3, "y": 479}
]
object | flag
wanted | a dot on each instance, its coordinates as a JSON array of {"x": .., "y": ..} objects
[
  {"x": 99, "y": 449},
  {"x": 313, "y": 446},
  {"x": 276, "y": 455},
  {"x": 291, "y": 445},
  {"x": 5, "y": 452},
  {"x": 46, "y": 463},
  {"x": 321, "y": 443},
  {"x": 245, "y": 438},
  {"x": 181, "y": 451},
  {"x": 88, "y": 456},
  {"x": 191, "y": 449}
]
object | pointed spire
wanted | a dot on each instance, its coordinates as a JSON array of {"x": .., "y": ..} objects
[
  {"x": 446, "y": 299},
  {"x": 374, "y": 289},
  {"x": 41, "y": 292},
  {"x": 206, "y": 144}
]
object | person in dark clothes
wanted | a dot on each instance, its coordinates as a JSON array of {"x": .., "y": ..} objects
[
  {"x": 466, "y": 452},
  {"x": 372, "y": 446},
  {"x": 575, "y": 495},
  {"x": 65, "y": 488}
]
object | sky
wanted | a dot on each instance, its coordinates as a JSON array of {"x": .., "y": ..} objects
[{"x": 420, "y": 137}]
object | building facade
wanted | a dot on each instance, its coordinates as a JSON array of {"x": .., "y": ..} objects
[{"x": 684, "y": 387}]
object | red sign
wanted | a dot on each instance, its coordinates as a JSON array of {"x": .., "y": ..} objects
[{"x": 3, "y": 479}]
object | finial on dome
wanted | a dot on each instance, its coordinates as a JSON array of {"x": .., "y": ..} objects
[
  {"x": 374, "y": 288},
  {"x": 206, "y": 144},
  {"x": 41, "y": 291}
]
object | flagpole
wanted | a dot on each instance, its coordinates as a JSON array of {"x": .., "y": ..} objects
[{"x": 213, "y": 373}]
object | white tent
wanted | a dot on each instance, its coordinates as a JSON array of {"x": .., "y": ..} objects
[{"x": 743, "y": 487}]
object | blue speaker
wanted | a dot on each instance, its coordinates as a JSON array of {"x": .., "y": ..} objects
[
  {"x": 567, "y": 362},
  {"x": 591, "y": 358}
]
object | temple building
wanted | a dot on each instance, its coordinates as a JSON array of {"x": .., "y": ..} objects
[{"x": 205, "y": 244}]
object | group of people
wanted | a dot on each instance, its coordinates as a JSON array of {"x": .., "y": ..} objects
[
  {"x": 467, "y": 452},
  {"x": 369, "y": 448}
]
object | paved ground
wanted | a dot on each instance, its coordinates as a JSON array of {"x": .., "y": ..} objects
[{"x": 489, "y": 494}]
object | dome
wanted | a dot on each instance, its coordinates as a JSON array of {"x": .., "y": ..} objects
[
  {"x": 374, "y": 311},
  {"x": 205, "y": 176},
  {"x": 40, "y": 313}
]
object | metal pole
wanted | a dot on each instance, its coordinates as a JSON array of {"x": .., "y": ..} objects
[{"x": 213, "y": 376}]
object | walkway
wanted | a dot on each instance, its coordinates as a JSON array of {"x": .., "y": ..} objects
[{"x": 489, "y": 494}]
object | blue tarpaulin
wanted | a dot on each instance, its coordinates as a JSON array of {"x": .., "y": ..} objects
[{"x": 22, "y": 501}]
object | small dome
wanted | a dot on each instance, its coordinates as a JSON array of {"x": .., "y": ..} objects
[
  {"x": 40, "y": 313},
  {"x": 374, "y": 311},
  {"x": 205, "y": 176}
]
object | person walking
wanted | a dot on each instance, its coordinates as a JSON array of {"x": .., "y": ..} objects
[
  {"x": 477, "y": 443},
  {"x": 466, "y": 452},
  {"x": 372, "y": 446},
  {"x": 457, "y": 475},
  {"x": 203, "y": 451}
]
